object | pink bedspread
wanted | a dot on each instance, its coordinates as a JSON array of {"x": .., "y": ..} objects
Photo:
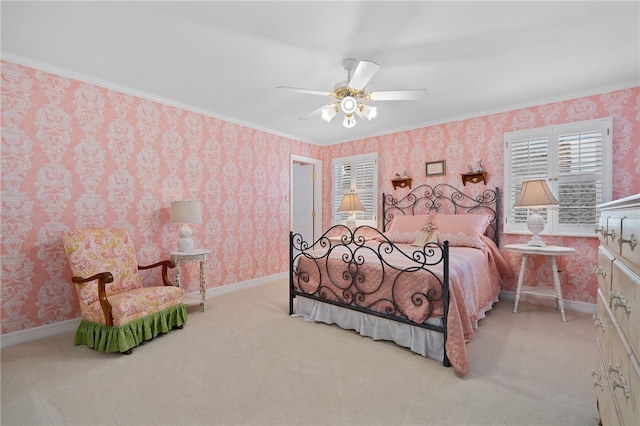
[{"x": 474, "y": 281}]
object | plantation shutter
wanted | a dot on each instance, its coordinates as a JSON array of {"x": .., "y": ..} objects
[
  {"x": 529, "y": 161},
  {"x": 575, "y": 161},
  {"x": 364, "y": 178},
  {"x": 580, "y": 161}
]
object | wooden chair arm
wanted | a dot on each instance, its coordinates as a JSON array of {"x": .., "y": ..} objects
[
  {"x": 103, "y": 278},
  {"x": 166, "y": 264}
]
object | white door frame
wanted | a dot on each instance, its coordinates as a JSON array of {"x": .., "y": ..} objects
[{"x": 317, "y": 192}]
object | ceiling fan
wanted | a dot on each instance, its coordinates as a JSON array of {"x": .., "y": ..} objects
[{"x": 350, "y": 94}]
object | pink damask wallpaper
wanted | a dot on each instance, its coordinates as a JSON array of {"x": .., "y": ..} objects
[
  {"x": 75, "y": 154},
  {"x": 467, "y": 141}
]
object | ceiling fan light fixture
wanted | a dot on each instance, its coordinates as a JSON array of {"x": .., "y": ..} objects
[
  {"x": 348, "y": 96},
  {"x": 329, "y": 112},
  {"x": 349, "y": 104},
  {"x": 349, "y": 121}
]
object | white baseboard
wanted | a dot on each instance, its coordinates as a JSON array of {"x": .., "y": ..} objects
[
  {"x": 569, "y": 305},
  {"x": 22, "y": 336},
  {"x": 217, "y": 291}
]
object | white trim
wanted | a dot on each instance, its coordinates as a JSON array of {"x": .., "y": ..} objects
[
  {"x": 571, "y": 305},
  {"x": 23, "y": 336},
  {"x": 242, "y": 285},
  {"x": 317, "y": 191}
]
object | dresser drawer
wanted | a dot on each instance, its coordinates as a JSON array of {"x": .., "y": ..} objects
[
  {"x": 624, "y": 300},
  {"x": 614, "y": 229},
  {"x": 603, "y": 270},
  {"x": 622, "y": 373},
  {"x": 601, "y": 229},
  {"x": 607, "y": 408},
  {"x": 604, "y": 323},
  {"x": 619, "y": 228},
  {"x": 628, "y": 240},
  {"x": 619, "y": 372}
]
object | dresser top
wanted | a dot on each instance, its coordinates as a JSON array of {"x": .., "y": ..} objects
[{"x": 630, "y": 201}]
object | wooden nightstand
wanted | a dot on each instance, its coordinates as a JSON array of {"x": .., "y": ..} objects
[{"x": 555, "y": 292}]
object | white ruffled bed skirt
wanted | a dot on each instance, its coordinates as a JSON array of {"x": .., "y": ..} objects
[{"x": 422, "y": 341}]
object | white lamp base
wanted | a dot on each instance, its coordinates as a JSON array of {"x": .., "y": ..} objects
[
  {"x": 535, "y": 223},
  {"x": 351, "y": 221},
  {"x": 185, "y": 243}
]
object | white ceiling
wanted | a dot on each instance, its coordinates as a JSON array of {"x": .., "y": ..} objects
[{"x": 225, "y": 59}]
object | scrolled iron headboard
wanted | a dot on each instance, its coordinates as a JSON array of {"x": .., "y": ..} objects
[{"x": 444, "y": 198}]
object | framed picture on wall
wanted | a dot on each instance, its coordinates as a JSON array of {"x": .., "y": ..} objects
[{"x": 436, "y": 168}]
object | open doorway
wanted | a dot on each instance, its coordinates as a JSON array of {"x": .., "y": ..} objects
[{"x": 306, "y": 197}]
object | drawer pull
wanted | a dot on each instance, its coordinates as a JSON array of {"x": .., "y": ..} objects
[
  {"x": 611, "y": 234},
  {"x": 614, "y": 383},
  {"x": 632, "y": 241},
  {"x": 597, "y": 379},
  {"x": 599, "y": 322},
  {"x": 600, "y": 271},
  {"x": 619, "y": 301}
]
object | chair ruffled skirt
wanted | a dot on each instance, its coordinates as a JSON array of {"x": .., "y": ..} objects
[{"x": 124, "y": 337}]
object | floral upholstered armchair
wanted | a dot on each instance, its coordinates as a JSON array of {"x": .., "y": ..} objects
[{"x": 118, "y": 312}]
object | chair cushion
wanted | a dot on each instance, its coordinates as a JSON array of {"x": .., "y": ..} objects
[
  {"x": 94, "y": 250},
  {"x": 134, "y": 304}
]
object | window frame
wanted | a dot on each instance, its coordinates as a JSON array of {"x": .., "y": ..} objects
[
  {"x": 552, "y": 175},
  {"x": 369, "y": 218}
]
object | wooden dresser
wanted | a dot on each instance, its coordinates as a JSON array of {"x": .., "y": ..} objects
[{"x": 616, "y": 375}]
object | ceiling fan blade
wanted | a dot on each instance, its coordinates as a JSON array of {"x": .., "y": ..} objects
[
  {"x": 307, "y": 91},
  {"x": 314, "y": 113},
  {"x": 363, "y": 73},
  {"x": 398, "y": 95}
]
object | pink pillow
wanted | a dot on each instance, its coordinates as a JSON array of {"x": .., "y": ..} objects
[
  {"x": 462, "y": 230},
  {"x": 409, "y": 223},
  {"x": 404, "y": 229},
  {"x": 401, "y": 237}
]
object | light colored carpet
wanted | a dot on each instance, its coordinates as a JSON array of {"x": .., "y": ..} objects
[{"x": 246, "y": 362}]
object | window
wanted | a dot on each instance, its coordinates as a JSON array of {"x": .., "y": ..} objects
[
  {"x": 359, "y": 174},
  {"x": 575, "y": 160}
]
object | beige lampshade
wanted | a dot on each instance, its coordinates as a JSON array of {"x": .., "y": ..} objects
[
  {"x": 351, "y": 203},
  {"x": 187, "y": 211},
  {"x": 535, "y": 194}
]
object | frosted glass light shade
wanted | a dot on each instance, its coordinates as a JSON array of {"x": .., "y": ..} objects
[
  {"x": 329, "y": 112},
  {"x": 367, "y": 111},
  {"x": 349, "y": 121}
]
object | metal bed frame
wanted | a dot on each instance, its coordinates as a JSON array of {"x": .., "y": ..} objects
[{"x": 424, "y": 198}]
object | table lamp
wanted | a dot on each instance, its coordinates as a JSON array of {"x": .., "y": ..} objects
[
  {"x": 351, "y": 203},
  {"x": 185, "y": 212},
  {"x": 534, "y": 195}
]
